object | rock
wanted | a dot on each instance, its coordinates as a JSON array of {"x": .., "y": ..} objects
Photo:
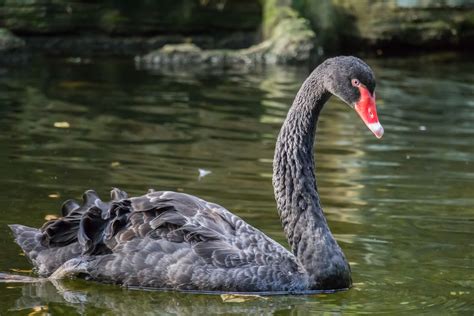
[
  {"x": 288, "y": 40},
  {"x": 289, "y": 36},
  {"x": 292, "y": 41},
  {"x": 186, "y": 54},
  {"x": 284, "y": 50},
  {"x": 10, "y": 42},
  {"x": 12, "y": 48},
  {"x": 174, "y": 54},
  {"x": 394, "y": 24}
]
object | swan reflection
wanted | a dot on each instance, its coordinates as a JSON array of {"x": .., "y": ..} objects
[{"x": 83, "y": 297}]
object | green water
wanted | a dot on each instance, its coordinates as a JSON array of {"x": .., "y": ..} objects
[{"x": 402, "y": 208}]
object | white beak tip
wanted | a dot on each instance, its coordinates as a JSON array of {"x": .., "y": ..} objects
[{"x": 377, "y": 129}]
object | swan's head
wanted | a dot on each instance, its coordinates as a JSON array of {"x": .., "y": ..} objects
[{"x": 352, "y": 80}]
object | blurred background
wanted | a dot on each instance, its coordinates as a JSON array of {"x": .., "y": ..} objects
[
  {"x": 268, "y": 31},
  {"x": 189, "y": 95}
]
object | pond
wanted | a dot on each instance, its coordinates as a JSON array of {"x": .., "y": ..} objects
[{"x": 402, "y": 208}]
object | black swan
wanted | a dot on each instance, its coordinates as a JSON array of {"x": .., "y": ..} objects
[{"x": 172, "y": 240}]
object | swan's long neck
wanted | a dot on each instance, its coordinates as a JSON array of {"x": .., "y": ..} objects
[{"x": 296, "y": 192}]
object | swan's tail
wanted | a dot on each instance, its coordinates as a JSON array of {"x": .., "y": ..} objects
[
  {"x": 54, "y": 233},
  {"x": 29, "y": 239},
  {"x": 45, "y": 259},
  {"x": 59, "y": 239},
  {"x": 64, "y": 230}
]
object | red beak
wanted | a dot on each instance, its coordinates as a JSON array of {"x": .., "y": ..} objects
[{"x": 367, "y": 111}]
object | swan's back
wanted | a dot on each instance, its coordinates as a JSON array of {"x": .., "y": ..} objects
[{"x": 161, "y": 240}]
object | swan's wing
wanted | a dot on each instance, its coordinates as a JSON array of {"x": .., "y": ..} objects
[
  {"x": 182, "y": 217},
  {"x": 214, "y": 234},
  {"x": 217, "y": 236},
  {"x": 175, "y": 240}
]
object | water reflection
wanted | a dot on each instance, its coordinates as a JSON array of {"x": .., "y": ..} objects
[
  {"x": 87, "y": 298},
  {"x": 401, "y": 208}
]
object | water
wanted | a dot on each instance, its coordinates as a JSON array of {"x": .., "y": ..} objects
[{"x": 401, "y": 207}]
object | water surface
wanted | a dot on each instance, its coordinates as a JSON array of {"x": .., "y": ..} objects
[{"x": 402, "y": 208}]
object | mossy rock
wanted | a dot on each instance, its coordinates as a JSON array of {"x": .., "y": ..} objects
[
  {"x": 292, "y": 40},
  {"x": 426, "y": 24},
  {"x": 190, "y": 54},
  {"x": 10, "y": 42}
]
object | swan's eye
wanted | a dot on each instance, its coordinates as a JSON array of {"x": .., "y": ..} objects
[{"x": 355, "y": 82}]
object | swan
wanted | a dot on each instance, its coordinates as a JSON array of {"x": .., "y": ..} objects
[{"x": 176, "y": 241}]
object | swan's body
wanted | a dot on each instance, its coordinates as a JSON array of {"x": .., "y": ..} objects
[
  {"x": 178, "y": 241},
  {"x": 171, "y": 240}
]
